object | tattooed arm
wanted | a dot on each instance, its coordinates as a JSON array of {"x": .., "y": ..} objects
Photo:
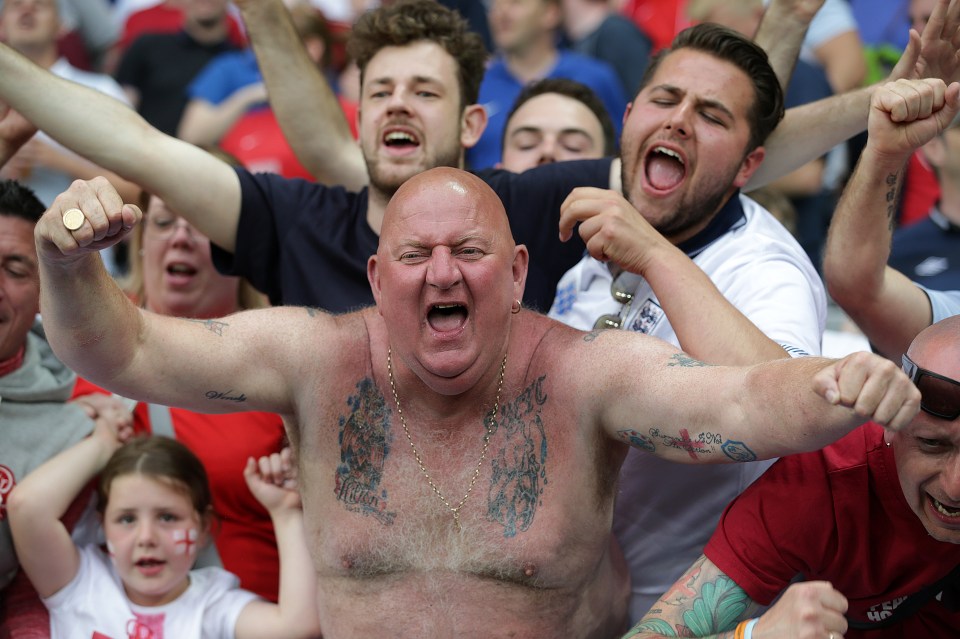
[
  {"x": 705, "y": 602},
  {"x": 209, "y": 365},
  {"x": 646, "y": 394},
  {"x": 888, "y": 307}
]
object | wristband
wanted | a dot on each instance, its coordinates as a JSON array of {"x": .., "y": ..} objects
[
  {"x": 740, "y": 629},
  {"x": 748, "y": 629}
]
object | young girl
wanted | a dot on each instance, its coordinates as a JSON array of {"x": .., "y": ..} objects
[{"x": 154, "y": 503}]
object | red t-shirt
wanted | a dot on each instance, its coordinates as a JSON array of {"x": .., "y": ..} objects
[
  {"x": 164, "y": 18},
  {"x": 839, "y": 515}
]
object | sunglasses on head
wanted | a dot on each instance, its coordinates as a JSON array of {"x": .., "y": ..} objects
[{"x": 939, "y": 395}]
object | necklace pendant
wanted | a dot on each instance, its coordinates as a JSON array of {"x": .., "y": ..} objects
[{"x": 456, "y": 522}]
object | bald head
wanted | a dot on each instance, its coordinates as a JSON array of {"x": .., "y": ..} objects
[
  {"x": 445, "y": 189},
  {"x": 937, "y": 347}
]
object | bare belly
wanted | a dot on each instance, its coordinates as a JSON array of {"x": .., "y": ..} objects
[{"x": 444, "y": 604}]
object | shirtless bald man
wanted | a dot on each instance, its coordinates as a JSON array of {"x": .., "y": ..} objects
[{"x": 458, "y": 454}]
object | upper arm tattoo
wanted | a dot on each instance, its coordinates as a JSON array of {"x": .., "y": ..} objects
[
  {"x": 519, "y": 468},
  {"x": 214, "y": 326},
  {"x": 682, "y": 359}
]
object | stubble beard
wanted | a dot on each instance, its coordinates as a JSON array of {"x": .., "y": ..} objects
[
  {"x": 387, "y": 182},
  {"x": 694, "y": 209}
]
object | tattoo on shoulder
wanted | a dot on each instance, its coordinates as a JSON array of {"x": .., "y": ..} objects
[
  {"x": 365, "y": 439},
  {"x": 738, "y": 451},
  {"x": 519, "y": 468},
  {"x": 226, "y": 396},
  {"x": 214, "y": 326},
  {"x": 314, "y": 312},
  {"x": 682, "y": 359},
  {"x": 592, "y": 335}
]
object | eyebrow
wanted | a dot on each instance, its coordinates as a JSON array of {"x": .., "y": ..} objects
[
  {"x": 704, "y": 102},
  {"x": 538, "y": 130},
  {"x": 417, "y": 79}
]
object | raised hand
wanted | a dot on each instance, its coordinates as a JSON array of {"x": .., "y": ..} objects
[
  {"x": 273, "y": 481},
  {"x": 610, "y": 227},
  {"x": 85, "y": 218},
  {"x": 907, "y": 114}
]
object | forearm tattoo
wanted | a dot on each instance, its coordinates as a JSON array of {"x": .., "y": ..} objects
[
  {"x": 519, "y": 468},
  {"x": 365, "y": 439},
  {"x": 893, "y": 198},
  {"x": 214, "y": 326},
  {"x": 705, "y": 609}
]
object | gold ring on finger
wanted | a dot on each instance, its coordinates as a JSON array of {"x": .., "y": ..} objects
[{"x": 73, "y": 219}]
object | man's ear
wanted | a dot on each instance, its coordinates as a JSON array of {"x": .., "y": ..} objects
[
  {"x": 373, "y": 276},
  {"x": 472, "y": 125},
  {"x": 521, "y": 261},
  {"x": 749, "y": 166}
]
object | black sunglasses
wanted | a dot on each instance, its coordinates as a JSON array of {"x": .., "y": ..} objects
[{"x": 939, "y": 395}]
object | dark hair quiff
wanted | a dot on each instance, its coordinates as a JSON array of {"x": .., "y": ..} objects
[
  {"x": 17, "y": 200},
  {"x": 575, "y": 91},
  {"x": 161, "y": 458},
  {"x": 409, "y": 21},
  {"x": 728, "y": 45}
]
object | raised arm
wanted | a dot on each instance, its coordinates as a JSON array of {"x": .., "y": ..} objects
[
  {"x": 647, "y": 394},
  {"x": 205, "y": 124},
  {"x": 206, "y": 365},
  {"x": 707, "y": 603},
  {"x": 307, "y": 108},
  {"x": 43, "y": 544},
  {"x": 888, "y": 307},
  {"x": 193, "y": 183},
  {"x": 781, "y": 33},
  {"x": 810, "y": 130},
  {"x": 272, "y": 480}
]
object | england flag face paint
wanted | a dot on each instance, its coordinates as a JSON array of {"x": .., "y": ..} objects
[{"x": 185, "y": 541}]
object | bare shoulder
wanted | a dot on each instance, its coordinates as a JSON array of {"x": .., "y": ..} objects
[
  {"x": 573, "y": 349},
  {"x": 298, "y": 335}
]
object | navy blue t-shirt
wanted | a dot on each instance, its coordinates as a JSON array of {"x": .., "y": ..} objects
[
  {"x": 928, "y": 252},
  {"x": 307, "y": 244}
]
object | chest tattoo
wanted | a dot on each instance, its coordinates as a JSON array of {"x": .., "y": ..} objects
[
  {"x": 519, "y": 470},
  {"x": 365, "y": 441}
]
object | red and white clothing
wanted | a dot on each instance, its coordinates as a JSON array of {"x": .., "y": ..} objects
[
  {"x": 94, "y": 605},
  {"x": 243, "y": 531},
  {"x": 839, "y": 515}
]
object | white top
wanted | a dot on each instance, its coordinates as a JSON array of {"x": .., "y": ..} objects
[
  {"x": 94, "y": 604},
  {"x": 944, "y": 303},
  {"x": 666, "y": 512},
  {"x": 833, "y": 18}
]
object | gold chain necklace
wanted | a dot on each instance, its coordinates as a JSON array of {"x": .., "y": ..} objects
[{"x": 490, "y": 423}]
